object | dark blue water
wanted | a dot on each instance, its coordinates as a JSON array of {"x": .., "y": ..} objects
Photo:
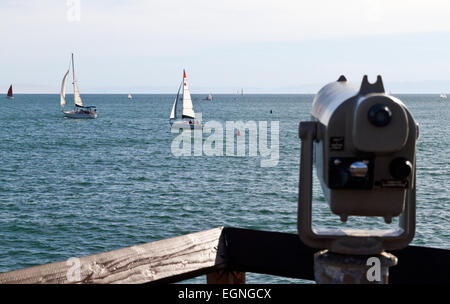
[{"x": 77, "y": 187}]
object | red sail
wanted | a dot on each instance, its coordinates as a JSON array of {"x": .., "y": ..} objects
[{"x": 10, "y": 94}]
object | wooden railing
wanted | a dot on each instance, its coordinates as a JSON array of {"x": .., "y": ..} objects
[{"x": 224, "y": 255}]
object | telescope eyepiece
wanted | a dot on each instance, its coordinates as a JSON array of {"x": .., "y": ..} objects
[
  {"x": 380, "y": 115},
  {"x": 400, "y": 168}
]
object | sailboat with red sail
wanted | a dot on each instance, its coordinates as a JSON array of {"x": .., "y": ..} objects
[
  {"x": 10, "y": 93},
  {"x": 188, "y": 115}
]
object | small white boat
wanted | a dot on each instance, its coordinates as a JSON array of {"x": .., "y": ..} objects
[
  {"x": 239, "y": 92},
  {"x": 82, "y": 112},
  {"x": 130, "y": 97},
  {"x": 443, "y": 96},
  {"x": 183, "y": 124},
  {"x": 188, "y": 115},
  {"x": 209, "y": 97},
  {"x": 79, "y": 110}
]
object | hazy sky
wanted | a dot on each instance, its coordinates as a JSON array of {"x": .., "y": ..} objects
[{"x": 258, "y": 45}]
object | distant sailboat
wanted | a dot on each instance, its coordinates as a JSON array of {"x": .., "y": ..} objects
[
  {"x": 130, "y": 97},
  {"x": 209, "y": 97},
  {"x": 79, "y": 111},
  {"x": 443, "y": 96},
  {"x": 188, "y": 114},
  {"x": 10, "y": 93},
  {"x": 239, "y": 92}
]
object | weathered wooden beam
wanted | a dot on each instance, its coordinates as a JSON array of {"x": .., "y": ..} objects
[
  {"x": 179, "y": 257},
  {"x": 224, "y": 253}
]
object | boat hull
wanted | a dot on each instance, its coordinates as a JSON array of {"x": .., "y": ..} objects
[
  {"x": 185, "y": 125},
  {"x": 78, "y": 115}
]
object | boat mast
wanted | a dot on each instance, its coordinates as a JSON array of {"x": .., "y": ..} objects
[
  {"x": 76, "y": 93},
  {"x": 73, "y": 72},
  {"x": 73, "y": 83},
  {"x": 182, "y": 85},
  {"x": 182, "y": 98}
]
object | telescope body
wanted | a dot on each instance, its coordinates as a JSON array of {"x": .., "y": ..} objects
[
  {"x": 364, "y": 149},
  {"x": 362, "y": 143}
]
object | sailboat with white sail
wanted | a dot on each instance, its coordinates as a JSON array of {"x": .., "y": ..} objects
[
  {"x": 187, "y": 115},
  {"x": 443, "y": 96},
  {"x": 209, "y": 97},
  {"x": 79, "y": 110},
  {"x": 130, "y": 97},
  {"x": 10, "y": 93}
]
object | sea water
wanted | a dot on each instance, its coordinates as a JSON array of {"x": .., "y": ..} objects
[{"x": 71, "y": 188}]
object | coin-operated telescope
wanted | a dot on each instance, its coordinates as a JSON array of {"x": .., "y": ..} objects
[{"x": 362, "y": 143}]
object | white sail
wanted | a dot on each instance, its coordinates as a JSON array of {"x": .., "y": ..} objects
[
  {"x": 76, "y": 92},
  {"x": 174, "y": 107},
  {"x": 130, "y": 97},
  {"x": 63, "y": 89},
  {"x": 172, "y": 114},
  {"x": 188, "y": 108}
]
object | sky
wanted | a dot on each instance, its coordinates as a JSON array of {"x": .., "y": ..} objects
[{"x": 262, "y": 46}]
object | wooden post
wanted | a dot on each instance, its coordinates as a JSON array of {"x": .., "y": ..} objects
[{"x": 225, "y": 276}]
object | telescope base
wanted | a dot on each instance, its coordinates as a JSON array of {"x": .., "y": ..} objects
[{"x": 334, "y": 268}]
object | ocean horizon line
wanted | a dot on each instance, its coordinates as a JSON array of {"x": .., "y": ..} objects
[{"x": 204, "y": 93}]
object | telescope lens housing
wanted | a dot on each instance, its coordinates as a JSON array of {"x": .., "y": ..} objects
[{"x": 380, "y": 115}]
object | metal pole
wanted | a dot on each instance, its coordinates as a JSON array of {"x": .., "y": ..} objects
[{"x": 334, "y": 268}]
